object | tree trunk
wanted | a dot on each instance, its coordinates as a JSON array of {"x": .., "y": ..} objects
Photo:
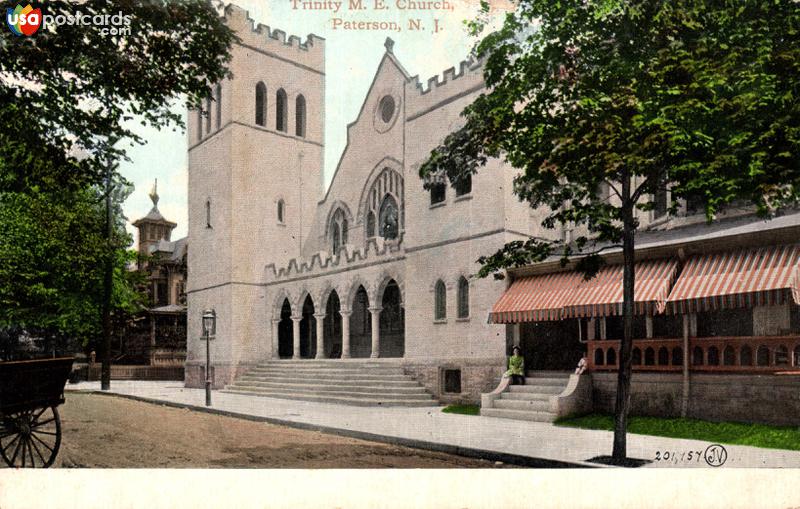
[{"x": 623, "y": 400}]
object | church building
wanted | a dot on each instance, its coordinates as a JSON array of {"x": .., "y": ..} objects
[{"x": 338, "y": 293}]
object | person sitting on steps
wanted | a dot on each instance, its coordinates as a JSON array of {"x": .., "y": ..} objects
[{"x": 516, "y": 367}]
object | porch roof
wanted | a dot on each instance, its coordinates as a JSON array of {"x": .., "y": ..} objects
[
  {"x": 736, "y": 279},
  {"x": 603, "y": 294},
  {"x": 535, "y": 298},
  {"x": 568, "y": 295}
]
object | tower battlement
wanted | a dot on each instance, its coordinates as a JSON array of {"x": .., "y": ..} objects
[
  {"x": 438, "y": 88},
  {"x": 310, "y": 52}
]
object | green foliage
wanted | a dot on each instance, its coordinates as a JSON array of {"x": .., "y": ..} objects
[
  {"x": 462, "y": 409},
  {"x": 73, "y": 87},
  {"x": 67, "y": 97},
  {"x": 756, "y": 435},
  {"x": 630, "y": 97},
  {"x": 52, "y": 249}
]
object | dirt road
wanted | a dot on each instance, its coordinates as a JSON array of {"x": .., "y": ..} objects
[{"x": 110, "y": 432}]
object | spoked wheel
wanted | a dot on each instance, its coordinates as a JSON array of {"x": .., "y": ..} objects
[{"x": 31, "y": 438}]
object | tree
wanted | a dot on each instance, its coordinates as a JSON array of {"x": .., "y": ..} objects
[
  {"x": 52, "y": 249},
  {"x": 69, "y": 89},
  {"x": 632, "y": 96},
  {"x": 67, "y": 96}
]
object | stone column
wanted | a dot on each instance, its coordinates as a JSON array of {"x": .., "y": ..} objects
[
  {"x": 275, "y": 338},
  {"x": 345, "y": 334},
  {"x": 319, "y": 318},
  {"x": 376, "y": 331},
  {"x": 296, "y": 336},
  {"x": 515, "y": 332}
]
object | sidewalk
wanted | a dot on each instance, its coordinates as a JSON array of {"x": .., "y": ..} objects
[{"x": 521, "y": 442}]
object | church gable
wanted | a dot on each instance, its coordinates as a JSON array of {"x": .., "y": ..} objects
[{"x": 374, "y": 138}]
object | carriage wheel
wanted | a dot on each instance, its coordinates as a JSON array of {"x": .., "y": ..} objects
[{"x": 31, "y": 438}]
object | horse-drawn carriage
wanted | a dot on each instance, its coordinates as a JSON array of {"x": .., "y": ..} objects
[{"x": 30, "y": 427}]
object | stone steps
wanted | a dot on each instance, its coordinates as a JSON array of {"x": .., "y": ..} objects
[
  {"x": 548, "y": 374},
  {"x": 341, "y": 400},
  {"x": 307, "y": 386},
  {"x": 529, "y": 402},
  {"x": 321, "y": 375},
  {"x": 537, "y": 389},
  {"x": 518, "y": 414},
  {"x": 356, "y": 383},
  {"x": 383, "y": 370},
  {"x": 523, "y": 404},
  {"x": 525, "y": 396}
]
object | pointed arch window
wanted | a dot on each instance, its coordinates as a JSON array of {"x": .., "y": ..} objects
[
  {"x": 281, "y": 110},
  {"x": 300, "y": 116},
  {"x": 218, "y": 96},
  {"x": 440, "y": 301},
  {"x": 463, "y": 297},
  {"x": 261, "y": 104},
  {"x": 338, "y": 229},
  {"x": 200, "y": 123},
  {"x": 208, "y": 213},
  {"x": 281, "y": 207},
  {"x": 389, "y": 218},
  {"x": 208, "y": 113}
]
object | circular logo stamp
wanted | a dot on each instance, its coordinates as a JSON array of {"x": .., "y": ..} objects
[{"x": 715, "y": 455}]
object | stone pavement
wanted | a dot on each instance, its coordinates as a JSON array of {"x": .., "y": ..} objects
[{"x": 521, "y": 442}]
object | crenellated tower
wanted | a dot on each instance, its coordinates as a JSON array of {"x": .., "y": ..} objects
[{"x": 255, "y": 177}]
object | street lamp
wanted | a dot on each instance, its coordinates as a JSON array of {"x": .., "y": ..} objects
[{"x": 209, "y": 329}]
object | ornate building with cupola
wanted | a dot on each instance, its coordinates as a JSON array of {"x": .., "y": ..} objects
[{"x": 158, "y": 337}]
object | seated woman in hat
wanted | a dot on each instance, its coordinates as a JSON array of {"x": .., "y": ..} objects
[{"x": 516, "y": 367}]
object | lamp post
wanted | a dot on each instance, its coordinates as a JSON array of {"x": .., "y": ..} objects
[{"x": 209, "y": 328}]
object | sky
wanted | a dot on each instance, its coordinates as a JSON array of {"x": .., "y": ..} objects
[{"x": 352, "y": 57}]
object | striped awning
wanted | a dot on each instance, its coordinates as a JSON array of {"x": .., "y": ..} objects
[
  {"x": 603, "y": 294},
  {"x": 736, "y": 279},
  {"x": 535, "y": 298}
]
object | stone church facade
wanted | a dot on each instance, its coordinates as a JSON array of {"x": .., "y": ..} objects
[{"x": 374, "y": 266}]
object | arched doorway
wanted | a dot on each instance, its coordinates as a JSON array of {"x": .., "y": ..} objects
[
  {"x": 392, "y": 322},
  {"x": 308, "y": 330},
  {"x": 332, "y": 327},
  {"x": 285, "y": 331},
  {"x": 360, "y": 325}
]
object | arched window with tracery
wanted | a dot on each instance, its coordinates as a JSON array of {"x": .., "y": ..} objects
[
  {"x": 300, "y": 116},
  {"x": 281, "y": 110},
  {"x": 261, "y": 104},
  {"x": 381, "y": 205}
]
